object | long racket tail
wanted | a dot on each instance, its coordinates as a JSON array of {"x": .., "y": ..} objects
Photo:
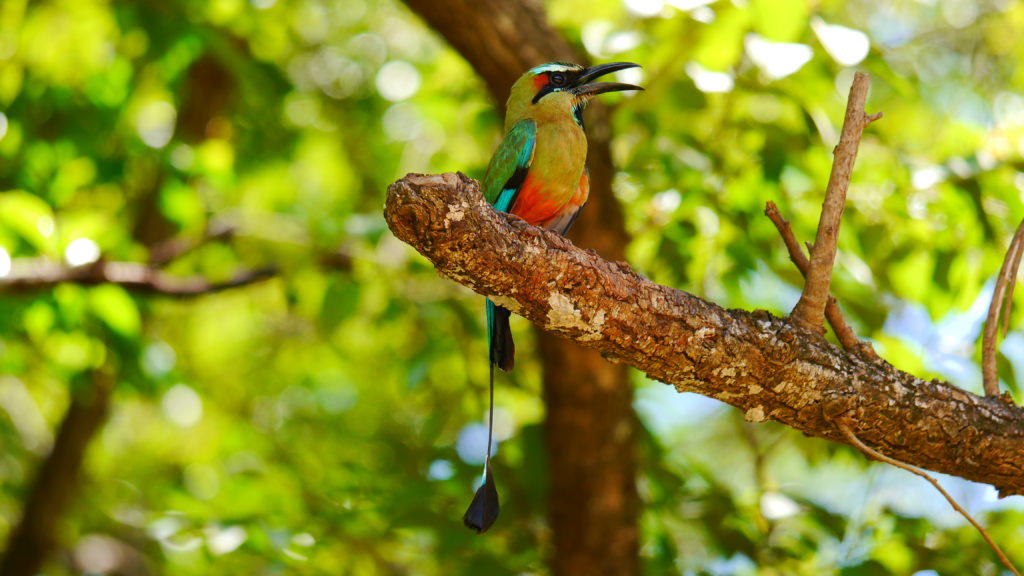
[{"x": 484, "y": 508}]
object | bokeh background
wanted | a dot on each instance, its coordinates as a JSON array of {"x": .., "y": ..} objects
[{"x": 329, "y": 420}]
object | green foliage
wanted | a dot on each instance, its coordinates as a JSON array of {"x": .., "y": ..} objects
[{"x": 309, "y": 424}]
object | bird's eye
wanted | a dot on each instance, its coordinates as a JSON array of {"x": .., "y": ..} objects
[{"x": 558, "y": 79}]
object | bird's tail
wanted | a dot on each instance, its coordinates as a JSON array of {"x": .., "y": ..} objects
[
  {"x": 484, "y": 508},
  {"x": 499, "y": 337}
]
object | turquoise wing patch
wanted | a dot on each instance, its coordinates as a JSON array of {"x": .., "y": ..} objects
[{"x": 510, "y": 164}]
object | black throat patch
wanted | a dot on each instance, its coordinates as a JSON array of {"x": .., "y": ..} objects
[{"x": 577, "y": 112}]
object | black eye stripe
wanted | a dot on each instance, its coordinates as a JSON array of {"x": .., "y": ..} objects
[
  {"x": 547, "y": 89},
  {"x": 556, "y": 82}
]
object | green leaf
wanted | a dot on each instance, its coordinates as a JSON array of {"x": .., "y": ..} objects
[
  {"x": 74, "y": 350},
  {"x": 911, "y": 276},
  {"x": 181, "y": 204},
  {"x": 895, "y": 555},
  {"x": 38, "y": 320},
  {"x": 341, "y": 300},
  {"x": 867, "y": 568},
  {"x": 30, "y": 218},
  {"x": 780, "y": 20},
  {"x": 721, "y": 45},
  {"x": 113, "y": 305}
]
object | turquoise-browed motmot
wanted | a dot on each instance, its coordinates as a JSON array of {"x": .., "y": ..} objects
[{"x": 538, "y": 174}]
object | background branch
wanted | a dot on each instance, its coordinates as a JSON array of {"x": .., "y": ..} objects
[
  {"x": 30, "y": 275},
  {"x": 35, "y": 535},
  {"x": 178, "y": 246},
  {"x": 764, "y": 365}
]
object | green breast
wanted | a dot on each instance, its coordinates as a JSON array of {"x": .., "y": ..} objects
[{"x": 561, "y": 152}]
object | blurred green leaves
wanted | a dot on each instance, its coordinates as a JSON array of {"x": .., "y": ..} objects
[
  {"x": 116, "y": 309},
  {"x": 783, "y": 21},
  {"x": 27, "y": 219},
  {"x": 325, "y": 397}
]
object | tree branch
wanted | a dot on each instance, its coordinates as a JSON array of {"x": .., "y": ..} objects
[
  {"x": 176, "y": 247},
  {"x": 809, "y": 310},
  {"x": 34, "y": 536},
  {"x": 871, "y": 453},
  {"x": 30, "y": 275},
  {"x": 844, "y": 333},
  {"x": 1002, "y": 300},
  {"x": 764, "y": 365}
]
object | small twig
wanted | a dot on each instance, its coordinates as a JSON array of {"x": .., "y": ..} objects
[
  {"x": 1008, "y": 302},
  {"x": 844, "y": 333},
  {"x": 1002, "y": 300},
  {"x": 177, "y": 247},
  {"x": 809, "y": 310},
  {"x": 29, "y": 275},
  {"x": 872, "y": 453}
]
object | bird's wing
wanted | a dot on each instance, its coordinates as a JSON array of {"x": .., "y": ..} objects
[{"x": 509, "y": 165}]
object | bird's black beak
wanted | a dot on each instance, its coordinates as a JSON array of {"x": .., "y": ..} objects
[{"x": 584, "y": 87}]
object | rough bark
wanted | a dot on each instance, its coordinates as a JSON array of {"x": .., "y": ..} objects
[
  {"x": 590, "y": 423},
  {"x": 764, "y": 365}
]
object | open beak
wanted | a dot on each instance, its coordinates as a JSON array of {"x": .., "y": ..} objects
[{"x": 584, "y": 87}]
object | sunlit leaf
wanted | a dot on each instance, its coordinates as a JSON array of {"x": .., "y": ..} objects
[
  {"x": 115, "y": 307},
  {"x": 721, "y": 45},
  {"x": 780, "y": 20},
  {"x": 30, "y": 217}
]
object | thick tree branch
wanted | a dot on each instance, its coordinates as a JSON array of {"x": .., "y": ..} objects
[
  {"x": 764, "y": 365},
  {"x": 844, "y": 333},
  {"x": 30, "y": 275},
  {"x": 809, "y": 310},
  {"x": 1002, "y": 300}
]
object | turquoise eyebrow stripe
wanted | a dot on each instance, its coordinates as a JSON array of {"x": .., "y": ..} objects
[{"x": 553, "y": 66}]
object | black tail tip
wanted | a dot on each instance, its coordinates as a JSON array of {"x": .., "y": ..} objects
[
  {"x": 484, "y": 508},
  {"x": 506, "y": 362}
]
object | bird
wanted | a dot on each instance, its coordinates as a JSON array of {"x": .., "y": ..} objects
[{"x": 537, "y": 173}]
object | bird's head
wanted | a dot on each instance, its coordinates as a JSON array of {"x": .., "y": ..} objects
[{"x": 559, "y": 88}]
